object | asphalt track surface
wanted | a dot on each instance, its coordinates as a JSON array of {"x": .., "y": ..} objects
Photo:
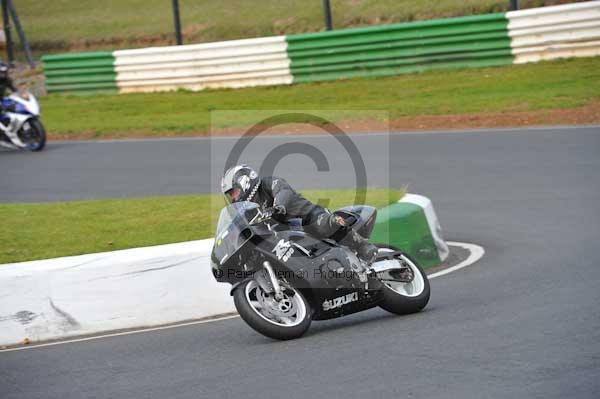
[{"x": 522, "y": 322}]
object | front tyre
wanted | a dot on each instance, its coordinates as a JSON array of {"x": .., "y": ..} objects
[
  {"x": 33, "y": 134},
  {"x": 407, "y": 297},
  {"x": 286, "y": 319}
]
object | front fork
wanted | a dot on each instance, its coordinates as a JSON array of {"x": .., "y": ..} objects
[
  {"x": 274, "y": 280},
  {"x": 268, "y": 281}
]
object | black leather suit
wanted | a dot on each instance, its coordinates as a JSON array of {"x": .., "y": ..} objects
[{"x": 317, "y": 221}]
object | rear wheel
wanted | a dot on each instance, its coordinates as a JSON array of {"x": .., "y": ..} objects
[
  {"x": 33, "y": 134},
  {"x": 410, "y": 294},
  {"x": 287, "y": 318}
]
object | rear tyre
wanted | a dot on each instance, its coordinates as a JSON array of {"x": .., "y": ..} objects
[
  {"x": 405, "y": 298},
  {"x": 286, "y": 319},
  {"x": 33, "y": 135}
]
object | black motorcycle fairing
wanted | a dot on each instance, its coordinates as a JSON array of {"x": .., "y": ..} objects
[
  {"x": 324, "y": 272},
  {"x": 321, "y": 278},
  {"x": 234, "y": 229},
  {"x": 365, "y": 299}
]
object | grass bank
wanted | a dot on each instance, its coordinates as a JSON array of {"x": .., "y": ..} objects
[
  {"x": 53, "y": 26},
  {"x": 516, "y": 88},
  {"x": 40, "y": 231}
]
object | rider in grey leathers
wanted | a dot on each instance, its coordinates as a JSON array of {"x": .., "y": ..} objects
[{"x": 242, "y": 183}]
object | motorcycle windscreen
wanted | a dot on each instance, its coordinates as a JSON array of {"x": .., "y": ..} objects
[{"x": 233, "y": 229}]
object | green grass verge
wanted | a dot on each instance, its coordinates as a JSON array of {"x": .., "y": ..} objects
[
  {"x": 40, "y": 231},
  {"x": 92, "y": 25},
  {"x": 546, "y": 85}
]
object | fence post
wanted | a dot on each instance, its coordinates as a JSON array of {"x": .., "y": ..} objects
[
  {"x": 9, "y": 43},
  {"x": 177, "y": 21},
  {"x": 21, "y": 33},
  {"x": 327, "y": 13},
  {"x": 514, "y": 4}
]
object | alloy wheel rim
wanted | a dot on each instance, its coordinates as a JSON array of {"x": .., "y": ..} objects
[
  {"x": 290, "y": 311},
  {"x": 411, "y": 289}
]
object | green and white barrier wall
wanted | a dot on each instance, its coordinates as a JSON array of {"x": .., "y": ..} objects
[
  {"x": 80, "y": 72},
  {"x": 571, "y": 30}
]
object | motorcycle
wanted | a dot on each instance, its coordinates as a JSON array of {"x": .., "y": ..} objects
[
  {"x": 282, "y": 278},
  {"x": 20, "y": 125}
]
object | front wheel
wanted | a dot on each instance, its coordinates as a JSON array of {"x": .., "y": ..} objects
[
  {"x": 405, "y": 297},
  {"x": 287, "y": 318},
  {"x": 33, "y": 134}
]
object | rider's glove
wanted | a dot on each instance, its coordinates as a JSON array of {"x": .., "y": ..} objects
[{"x": 279, "y": 210}]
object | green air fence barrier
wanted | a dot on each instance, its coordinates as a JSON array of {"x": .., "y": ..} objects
[
  {"x": 465, "y": 42},
  {"x": 404, "y": 226},
  {"x": 82, "y": 73},
  {"x": 383, "y": 50}
]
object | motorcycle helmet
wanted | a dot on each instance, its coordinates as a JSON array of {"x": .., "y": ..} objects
[{"x": 239, "y": 183}]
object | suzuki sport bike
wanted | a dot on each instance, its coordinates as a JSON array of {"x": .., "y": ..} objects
[
  {"x": 282, "y": 278},
  {"x": 20, "y": 125}
]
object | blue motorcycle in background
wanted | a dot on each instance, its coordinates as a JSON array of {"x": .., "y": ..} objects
[{"x": 20, "y": 125}]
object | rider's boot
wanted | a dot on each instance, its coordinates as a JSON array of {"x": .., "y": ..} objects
[{"x": 366, "y": 251}]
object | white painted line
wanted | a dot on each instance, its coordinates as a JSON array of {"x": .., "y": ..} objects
[
  {"x": 476, "y": 252},
  {"x": 191, "y": 323}
]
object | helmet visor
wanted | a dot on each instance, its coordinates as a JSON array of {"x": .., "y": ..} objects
[{"x": 233, "y": 195}]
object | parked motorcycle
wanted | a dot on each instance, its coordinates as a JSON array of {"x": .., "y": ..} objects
[
  {"x": 282, "y": 278},
  {"x": 20, "y": 125}
]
